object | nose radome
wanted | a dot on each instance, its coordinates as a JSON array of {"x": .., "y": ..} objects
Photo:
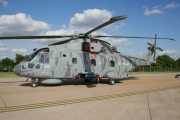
[{"x": 17, "y": 69}]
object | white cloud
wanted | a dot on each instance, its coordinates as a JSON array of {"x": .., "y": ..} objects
[
  {"x": 21, "y": 24},
  {"x": 159, "y": 10},
  {"x": 66, "y": 31},
  {"x": 4, "y": 3},
  {"x": 3, "y": 49},
  {"x": 154, "y": 11},
  {"x": 175, "y": 54},
  {"x": 76, "y": 31},
  {"x": 172, "y": 6},
  {"x": 122, "y": 41},
  {"x": 113, "y": 41},
  {"x": 133, "y": 53},
  {"x": 156, "y": 7},
  {"x": 63, "y": 26},
  {"x": 63, "y": 31},
  {"x": 79, "y": 23},
  {"x": 120, "y": 26},
  {"x": 2, "y": 57},
  {"x": 90, "y": 18},
  {"x": 2, "y": 45},
  {"x": 19, "y": 50}
]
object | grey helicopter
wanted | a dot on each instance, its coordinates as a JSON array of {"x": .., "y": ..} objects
[{"x": 81, "y": 56}]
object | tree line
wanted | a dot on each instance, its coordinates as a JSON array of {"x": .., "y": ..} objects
[
  {"x": 163, "y": 63},
  {"x": 9, "y": 62},
  {"x": 166, "y": 61}
]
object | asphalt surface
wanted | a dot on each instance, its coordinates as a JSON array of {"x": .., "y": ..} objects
[{"x": 139, "y": 97}]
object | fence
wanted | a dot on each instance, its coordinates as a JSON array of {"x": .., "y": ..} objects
[
  {"x": 7, "y": 68},
  {"x": 156, "y": 69}
]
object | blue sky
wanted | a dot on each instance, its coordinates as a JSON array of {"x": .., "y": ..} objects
[{"x": 66, "y": 17}]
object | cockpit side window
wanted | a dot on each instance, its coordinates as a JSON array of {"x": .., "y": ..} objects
[
  {"x": 34, "y": 55},
  {"x": 41, "y": 60},
  {"x": 44, "y": 58}
]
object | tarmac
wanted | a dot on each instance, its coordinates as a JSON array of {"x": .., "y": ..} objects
[{"x": 138, "y": 97}]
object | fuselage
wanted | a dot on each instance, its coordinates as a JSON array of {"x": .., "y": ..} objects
[{"x": 76, "y": 57}]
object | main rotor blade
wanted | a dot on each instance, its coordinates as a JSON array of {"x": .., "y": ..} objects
[
  {"x": 113, "y": 19},
  {"x": 61, "y": 42},
  {"x": 134, "y": 37},
  {"x": 35, "y": 37}
]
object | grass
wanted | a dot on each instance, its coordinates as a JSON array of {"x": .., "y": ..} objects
[{"x": 7, "y": 75}]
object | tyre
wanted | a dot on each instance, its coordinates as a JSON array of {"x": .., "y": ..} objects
[
  {"x": 34, "y": 85},
  {"x": 111, "y": 82}
]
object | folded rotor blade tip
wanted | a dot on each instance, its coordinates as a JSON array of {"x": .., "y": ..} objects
[{"x": 119, "y": 17}]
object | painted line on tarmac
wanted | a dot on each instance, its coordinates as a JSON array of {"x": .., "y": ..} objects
[
  {"x": 154, "y": 82},
  {"x": 81, "y": 100}
]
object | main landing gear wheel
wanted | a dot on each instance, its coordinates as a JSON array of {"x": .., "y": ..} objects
[
  {"x": 111, "y": 82},
  {"x": 33, "y": 83}
]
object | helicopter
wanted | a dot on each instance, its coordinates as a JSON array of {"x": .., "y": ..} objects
[{"x": 81, "y": 56}]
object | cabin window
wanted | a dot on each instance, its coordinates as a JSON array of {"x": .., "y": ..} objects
[
  {"x": 64, "y": 55},
  {"x": 93, "y": 62},
  {"x": 74, "y": 60},
  {"x": 112, "y": 63}
]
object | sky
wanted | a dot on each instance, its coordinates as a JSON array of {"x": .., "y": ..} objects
[{"x": 66, "y": 17}]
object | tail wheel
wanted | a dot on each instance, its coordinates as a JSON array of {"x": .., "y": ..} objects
[{"x": 111, "y": 82}]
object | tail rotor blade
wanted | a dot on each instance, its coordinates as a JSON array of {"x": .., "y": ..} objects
[
  {"x": 150, "y": 44},
  {"x": 159, "y": 48},
  {"x": 155, "y": 39},
  {"x": 154, "y": 58}
]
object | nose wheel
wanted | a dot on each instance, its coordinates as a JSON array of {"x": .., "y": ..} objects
[{"x": 33, "y": 83}]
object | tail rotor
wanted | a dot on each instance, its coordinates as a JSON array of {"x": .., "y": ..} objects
[{"x": 153, "y": 48}]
